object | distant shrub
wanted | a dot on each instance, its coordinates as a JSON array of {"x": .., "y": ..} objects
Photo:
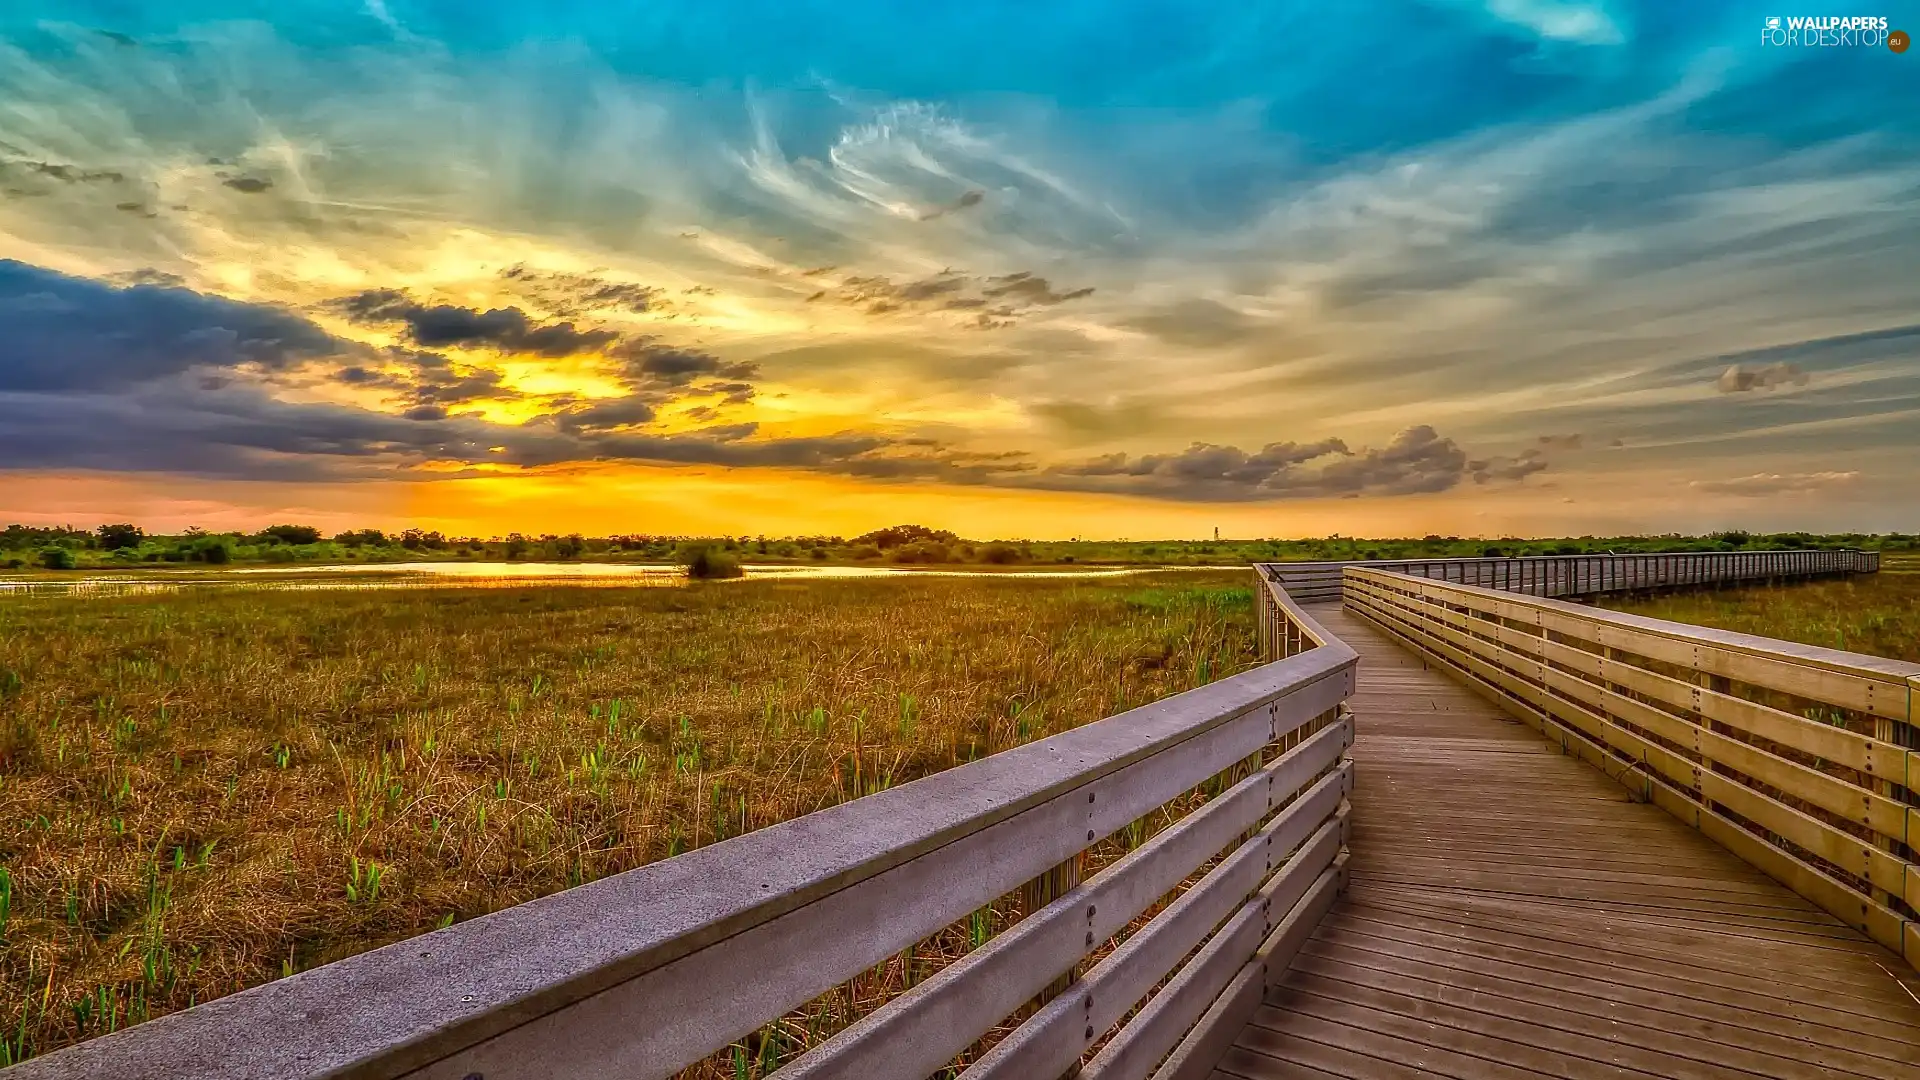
[
  {"x": 921, "y": 551},
  {"x": 1001, "y": 554},
  {"x": 215, "y": 551},
  {"x": 706, "y": 564},
  {"x": 292, "y": 534},
  {"x": 56, "y": 558},
  {"x": 120, "y": 537},
  {"x": 866, "y": 551}
]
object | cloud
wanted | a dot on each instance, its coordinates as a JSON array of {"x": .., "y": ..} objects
[
  {"x": 1418, "y": 460},
  {"x": 1761, "y": 485},
  {"x": 971, "y": 198},
  {"x": 1518, "y": 467},
  {"x": 437, "y": 326},
  {"x": 578, "y": 294},
  {"x": 648, "y": 361},
  {"x": 1196, "y": 323},
  {"x": 1560, "y": 442},
  {"x": 1738, "y": 380},
  {"x": 67, "y": 333},
  {"x": 1579, "y": 22},
  {"x": 250, "y": 185},
  {"x": 983, "y": 302},
  {"x": 605, "y": 415}
]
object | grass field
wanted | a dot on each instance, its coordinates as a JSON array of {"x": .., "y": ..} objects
[
  {"x": 201, "y": 792},
  {"x": 1877, "y": 614}
]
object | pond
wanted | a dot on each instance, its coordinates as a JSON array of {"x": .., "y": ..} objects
[{"x": 472, "y": 574}]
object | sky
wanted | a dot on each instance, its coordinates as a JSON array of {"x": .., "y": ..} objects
[{"x": 1097, "y": 268}]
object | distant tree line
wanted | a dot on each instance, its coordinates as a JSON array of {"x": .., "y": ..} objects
[{"x": 127, "y": 544}]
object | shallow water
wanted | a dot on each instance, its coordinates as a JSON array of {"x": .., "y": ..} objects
[{"x": 472, "y": 574}]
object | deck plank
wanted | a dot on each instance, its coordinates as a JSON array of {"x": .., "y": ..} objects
[{"x": 1513, "y": 913}]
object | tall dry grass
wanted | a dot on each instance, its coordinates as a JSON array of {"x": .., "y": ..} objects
[
  {"x": 203, "y": 792},
  {"x": 1877, "y": 614}
]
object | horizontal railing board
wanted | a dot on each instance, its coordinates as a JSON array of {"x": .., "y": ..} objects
[
  {"x": 1158, "y": 1028},
  {"x": 919, "y": 1032},
  {"x": 1050, "y": 1042},
  {"x": 404, "y": 1007},
  {"x": 1214, "y": 1033}
]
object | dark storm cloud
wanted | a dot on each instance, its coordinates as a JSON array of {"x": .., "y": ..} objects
[
  {"x": 68, "y": 333},
  {"x": 437, "y": 326}
]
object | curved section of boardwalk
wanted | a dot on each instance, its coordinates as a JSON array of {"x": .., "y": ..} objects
[{"x": 1512, "y": 913}]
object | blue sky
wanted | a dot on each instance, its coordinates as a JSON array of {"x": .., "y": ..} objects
[{"x": 1114, "y": 268}]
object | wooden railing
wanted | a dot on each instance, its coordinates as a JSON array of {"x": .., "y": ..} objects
[
  {"x": 1800, "y": 760},
  {"x": 647, "y": 972},
  {"x": 1585, "y": 575}
]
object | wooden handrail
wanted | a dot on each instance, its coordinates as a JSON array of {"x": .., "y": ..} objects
[
  {"x": 1803, "y": 761},
  {"x": 1585, "y": 575},
  {"x": 644, "y": 973}
]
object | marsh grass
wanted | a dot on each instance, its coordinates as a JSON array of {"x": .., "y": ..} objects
[
  {"x": 1877, "y": 614},
  {"x": 201, "y": 792}
]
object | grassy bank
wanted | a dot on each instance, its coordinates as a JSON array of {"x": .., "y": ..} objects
[
  {"x": 1877, "y": 614},
  {"x": 205, "y": 791}
]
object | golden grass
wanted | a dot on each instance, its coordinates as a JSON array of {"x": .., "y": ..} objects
[
  {"x": 201, "y": 792},
  {"x": 1877, "y": 614}
]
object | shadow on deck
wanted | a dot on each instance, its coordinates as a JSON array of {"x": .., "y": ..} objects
[{"x": 1512, "y": 912}]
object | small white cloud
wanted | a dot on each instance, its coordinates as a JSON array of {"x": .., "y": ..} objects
[
  {"x": 1739, "y": 380},
  {"x": 1763, "y": 484}
]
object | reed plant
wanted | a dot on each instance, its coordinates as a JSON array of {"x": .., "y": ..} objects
[{"x": 204, "y": 791}]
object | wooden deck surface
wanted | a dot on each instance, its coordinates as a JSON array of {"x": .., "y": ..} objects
[{"x": 1512, "y": 914}]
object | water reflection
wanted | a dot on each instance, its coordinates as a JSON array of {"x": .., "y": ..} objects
[{"x": 482, "y": 574}]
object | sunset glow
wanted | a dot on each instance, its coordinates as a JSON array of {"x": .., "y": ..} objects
[{"x": 1098, "y": 269}]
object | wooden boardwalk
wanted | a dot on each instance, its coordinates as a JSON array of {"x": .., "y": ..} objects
[{"x": 1512, "y": 913}]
